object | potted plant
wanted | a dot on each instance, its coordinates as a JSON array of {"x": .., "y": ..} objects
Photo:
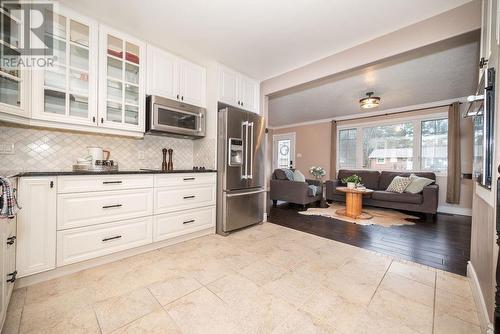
[
  {"x": 317, "y": 172},
  {"x": 352, "y": 181}
]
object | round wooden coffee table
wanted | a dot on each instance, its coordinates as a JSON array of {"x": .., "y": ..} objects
[{"x": 354, "y": 203}]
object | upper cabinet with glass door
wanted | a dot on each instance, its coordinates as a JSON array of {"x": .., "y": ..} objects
[
  {"x": 122, "y": 81},
  {"x": 14, "y": 81},
  {"x": 67, "y": 91}
]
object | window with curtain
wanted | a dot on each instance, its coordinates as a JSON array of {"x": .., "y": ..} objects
[
  {"x": 388, "y": 147},
  {"x": 434, "y": 145},
  {"x": 347, "y": 148}
]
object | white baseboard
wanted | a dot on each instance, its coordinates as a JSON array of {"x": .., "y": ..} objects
[
  {"x": 454, "y": 210},
  {"x": 482, "y": 311},
  {"x": 73, "y": 268},
  {"x": 265, "y": 217}
]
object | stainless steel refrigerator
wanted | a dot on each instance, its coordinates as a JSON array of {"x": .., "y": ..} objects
[{"x": 240, "y": 178}]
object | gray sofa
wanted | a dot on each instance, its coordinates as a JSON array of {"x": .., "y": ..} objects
[
  {"x": 424, "y": 202},
  {"x": 295, "y": 192}
]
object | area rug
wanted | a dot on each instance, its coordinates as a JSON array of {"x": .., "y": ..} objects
[{"x": 382, "y": 217}]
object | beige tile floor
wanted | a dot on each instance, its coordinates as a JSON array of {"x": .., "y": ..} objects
[{"x": 265, "y": 279}]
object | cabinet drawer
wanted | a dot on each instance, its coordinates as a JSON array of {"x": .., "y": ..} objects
[
  {"x": 169, "y": 199},
  {"x": 85, "y": 243},
  {"x": 174, "y": 224},
  {"x": 85, "y": 183},
  {"x": 169, "y": 180},
  {"x": 84, "y": 209}
]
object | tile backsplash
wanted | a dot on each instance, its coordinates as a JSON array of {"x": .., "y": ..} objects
[{"x": 55, "y": 150}]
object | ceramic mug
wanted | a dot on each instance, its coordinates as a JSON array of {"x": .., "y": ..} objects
[{"x": 97, "y": 153}]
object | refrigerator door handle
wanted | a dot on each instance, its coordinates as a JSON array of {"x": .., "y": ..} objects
[
  {"x": 247, "y": 193},
  {"x": 250, "y": 175},
  {"x": 244, "y": 131}
]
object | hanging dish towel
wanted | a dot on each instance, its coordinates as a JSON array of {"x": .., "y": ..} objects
[{"x": 8, "y": 203}]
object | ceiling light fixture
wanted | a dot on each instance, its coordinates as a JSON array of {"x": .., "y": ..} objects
[{"x": 369, "y": 101}]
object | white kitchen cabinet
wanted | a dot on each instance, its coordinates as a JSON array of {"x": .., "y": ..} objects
[
  {"x": 122, "y": 81},
  {"x": 83, "y": 209},
  {"x": 67, "y": 92},
  {"x": 14, "y": 82},
  {"x": 238, "y": 90},
  {"x": 170, "y": 199},
  {"x": 73, "y": 218},
  {"x": 84, "y": 243},
  {"x": 36, "y": 225},
  {"x": 171, "y": 225},
  {"x": 163, "y": 73},
  {"x": 172, "y": 77},
  {"x": 192, "y": 83}
]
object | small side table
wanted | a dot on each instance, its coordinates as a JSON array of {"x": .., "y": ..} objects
[
  {"x": 323, "y": 204},
  {"x": 354, "y": 203}
]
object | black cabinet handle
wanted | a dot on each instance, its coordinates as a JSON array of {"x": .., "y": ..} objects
[
  {"x": 188, "y": 197},
  {"x": 177, "y": 96},
  {"x": 112, "y": 206},
  {"x": 111, "y": 182},
  {"x": 13, "y": 278},
  {"x": 52, "y": 184},
  {"x": 11, "y": 240},
  {"x": 102, "y": 120},
  {"x": 93, "y": 119},
  {"x": 189, "y": 221},
  {"x": 182, "y": 97},
  {"x": 189, "y": 179},
  {"x": 111, "y": 238},
  {"x": 242, "y": 103}
]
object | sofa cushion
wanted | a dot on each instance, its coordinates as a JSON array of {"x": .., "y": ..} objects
[
  {"x": 388, "y": 196},
  {"x": 298, "y": 176},
  {"x": 369, "y": 178},
  {"x": 279, "y": 174},
  {"x": 399, "y": 184},
  {"x": 417, "y": 184},
  {"x": 386, "y": 177}
]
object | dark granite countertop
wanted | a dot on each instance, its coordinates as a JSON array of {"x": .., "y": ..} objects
[{"x": 28, "y": 174}]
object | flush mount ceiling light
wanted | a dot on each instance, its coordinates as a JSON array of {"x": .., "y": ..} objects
[{"x": 369, "y": 101}]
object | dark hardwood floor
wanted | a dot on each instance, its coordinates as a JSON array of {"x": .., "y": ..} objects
[{"x": 442, "y": 244}]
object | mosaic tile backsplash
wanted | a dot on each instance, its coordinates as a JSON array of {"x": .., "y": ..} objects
[{"x": 54, "y": 150}]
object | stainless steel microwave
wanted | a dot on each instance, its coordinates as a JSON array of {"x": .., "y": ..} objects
[{"x": 174, "y": 118}]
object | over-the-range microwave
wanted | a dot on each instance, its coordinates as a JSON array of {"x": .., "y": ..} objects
[{"x": 174, "y": 118}]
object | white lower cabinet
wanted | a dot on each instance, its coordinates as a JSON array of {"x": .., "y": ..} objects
[
  {"x": 69, "y": 219},
  {"x": 7, "y": 265},
  {"x": 85, "y": 243},
  {"x": 84, "y": 209},
  {"x": 36, "y": 225},
  {"x": 169, "y": 199},
  {"x": 171, "y": 225}
]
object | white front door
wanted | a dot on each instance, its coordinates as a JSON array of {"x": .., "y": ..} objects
[{"x": 284, "y": 150}]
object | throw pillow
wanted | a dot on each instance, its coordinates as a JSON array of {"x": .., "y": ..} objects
[
  {"x": 298, "y": 176},
  {"x": 417, "y": 184},
  {"x": 399, "y": 184}
]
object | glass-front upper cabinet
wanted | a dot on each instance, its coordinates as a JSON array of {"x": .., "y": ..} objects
[
  {"x": 67, "y": 90},
  {"x": 122, "y": 81},
  {"x": 14, "y": 81}
]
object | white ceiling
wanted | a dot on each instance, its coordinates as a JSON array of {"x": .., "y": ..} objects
[
  {"x": 439, "y": 72},
  {"x": 262, "y": 38}
]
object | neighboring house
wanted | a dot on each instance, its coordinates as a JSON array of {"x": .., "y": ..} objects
[{"x": 391, "y": 158}]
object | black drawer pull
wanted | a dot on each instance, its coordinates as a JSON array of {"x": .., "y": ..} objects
[
  {"x": 188, "y": 197},
  {"x": 111, "y": 206},
  {"x": 111, "y": 182},
  {"x": 111, "y": 238},
  {"x": 11, "y": 240},
  {"x": 189, "y": 178},
  {"x": 13, "y": 278},
  {"x": 189, "y": 221}
]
